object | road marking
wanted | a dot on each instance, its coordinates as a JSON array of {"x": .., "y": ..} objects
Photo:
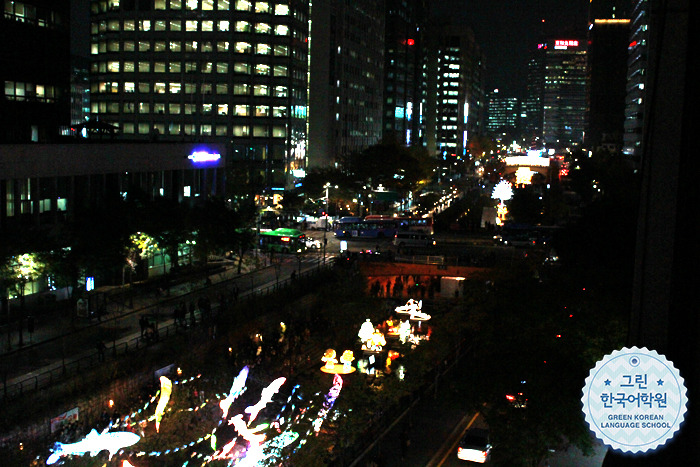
[{"x": 456, "y": 441}]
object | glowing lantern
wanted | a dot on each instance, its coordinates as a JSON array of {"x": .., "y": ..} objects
[
  {"x": 330, "y": 359},
  {"x": 347, "y": 358},
  {"x": 366, "y": 331},
  {"x": 166, "y": 387}
]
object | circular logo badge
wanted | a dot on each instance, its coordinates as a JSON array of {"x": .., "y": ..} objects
[{"x": 634, "y": 400}]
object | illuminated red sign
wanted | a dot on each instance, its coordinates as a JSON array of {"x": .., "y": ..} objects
[
  {"x": 410, "y": 42},
  {"x": 565, "y": 43}
]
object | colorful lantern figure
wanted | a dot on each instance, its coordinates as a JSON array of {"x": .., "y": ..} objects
[
  {"x": 366, "y": 331},
  {"x": 346, "y": 359},
  {"x": 330, "y": 359},
  {"x": 404, "y": 331},
  {"x": 411, "y": 307},
  {"x": 376, "y": 342},
  {"x": 166, "y": 387}
]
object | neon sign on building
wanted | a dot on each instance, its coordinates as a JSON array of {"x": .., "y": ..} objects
[{"x": 565, "y": 43}]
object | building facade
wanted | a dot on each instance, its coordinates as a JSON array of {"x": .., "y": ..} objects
[
  {"x": 503, "y": 115},
  {"x": 565, "y": 93},
  {"x": 34, "y": 70},
  {"x": 206, "y": 70},
  {"x": 460, "y": 99},
  {"x": 345, "y": 79},
  {"x": 43, "y": 184},
  {"x": 533, "y": 106},
  {"x": 636, "y": 80},
  {"x": 404, "y": 85}
]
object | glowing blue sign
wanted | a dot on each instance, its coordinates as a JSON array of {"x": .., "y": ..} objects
[
  {"x": 203, "y": 157},
  {"x": 89, "y": 284}
]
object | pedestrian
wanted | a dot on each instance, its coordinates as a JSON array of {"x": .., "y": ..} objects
[{"x": 100, "y": 346}]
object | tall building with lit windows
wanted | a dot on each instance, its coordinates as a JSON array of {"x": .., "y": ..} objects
[
  {"x": 34, "y": 70},
  {"x": 503, "y": 114},
  {"x": 636, "y": 80},
  {"x": 232, "y": 71},
  {"x": 345, "y": 79},
  {"x": 404, "y": 86},
  {"x": 461, "y": 103},
  {"x": 564, "y": 96}
]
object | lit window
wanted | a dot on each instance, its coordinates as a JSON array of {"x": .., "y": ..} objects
[
  {"x": 159, "y": 25},
  {"x": 191, "y": 46},
  {"x": 262, "y": 7},
  {"x": 174, "y": 128},
  {"x": 144, "y": 46},
  {"x": 262, "y": 69},
  {"x": 222, "y": 88},
  {"x": 207, "y": 46},
  {"x": 241, "y": 110},
  {"x": 144, "y": 87},
  {"x": 113, "y": 66},
  {"x": 174, "y": 109},
  {"x": 113, "y": 25},
  {"x": 222, "y": 67},
  {"x": 112, "y": 46},
  {"x": 222, "y": 4},
  {"x": 243, "y": 68},
  {"x": 263, "y": 49},
  {"x": 207, "y": 25},
  {"x": 190, "y": 88},
  {"x": 207, "y": 108},
  {"x": 159, "y": 46},
  {"x": 207, "y": 67},
  {"x": 280, "y": 91},
  {"x": 279, "y": 131},
  {"x": 242, "y": 47},
  {"x": 159, "y": 88},
  {"x": 159, "y": 67},
  {"x": 281, "y": 50},
  {"x": 279, "y": 111},
  {"x": 224, "y": 25},
  {"x": 129, "y": 86},
  {"x": 240, "y": 89},
  {"x": 191, "y": 25},
  {"x": 262, "y": 110},
  {"x": 176, "y": 4},
  {"x": 222, "y": 109},
  {"x": 144, "y": 107},
  {"x": 280, "y": 70},
  {"x": 176, "y": 25},
  {"x": 242, "y": 26},
  {"x": 243, "y": 5},
  {"x": 128, "y": 128},
  {"x": 261, "y": 90},
  {"x": 175, "y": 88},
  {"x": 128, "y": 46},
  {"x": 128, "y": 67},
  {"x": 191, "y": 4},
  {"x": 175, "y": 46},
  {"x": 282, "y": 30},
  {"x": 222, "y": 46},
  {"x": 220, "y": 130},
  {"x": 282, "y": 10},
  {"x": 207, "y": 4},
  {"x": 263, "y": 28},
  {"x": 159, "y": 5},
  {"x": 144, "y": 25},
  {"x": 144, "y": 129},
  {"x": 261, "y": 131},
  {"x": 241, "y": 130}
]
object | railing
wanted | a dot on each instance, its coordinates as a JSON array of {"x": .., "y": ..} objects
[{"x": 90, "y": 359}]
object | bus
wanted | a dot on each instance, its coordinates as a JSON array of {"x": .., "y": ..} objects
[
  {"x": 410, "y": 223},
  {"x": 283, "y": 240},
  {"x": 358, "y": 227}
]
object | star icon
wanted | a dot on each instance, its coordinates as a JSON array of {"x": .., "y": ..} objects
[
  {"x": 660, "y": 382},
  {"x": 607, "y": 382}
]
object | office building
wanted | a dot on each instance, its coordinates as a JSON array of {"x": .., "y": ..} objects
[
  {"x": 206, "y": 70},
  {"x": 608, "y": 37},
  {"x": 35, "y": 70},
  {"x": 404, "y": 84},
  {"x": 345, "y": 79},
  {"x": 636, "y": 80},
  {"x": 532, "y": 108},
  {"x": 503, "y": 115},
  {"x": 460, "y": 104},
  {"x": 564, "y": 95}
]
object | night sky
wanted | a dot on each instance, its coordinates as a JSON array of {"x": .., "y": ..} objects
[{"x": 507, "y": 29}]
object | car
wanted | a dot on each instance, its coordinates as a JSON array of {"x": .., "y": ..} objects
[
  {"x": 475, "y": 446},
  {"x": 312, "y": 244}
]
